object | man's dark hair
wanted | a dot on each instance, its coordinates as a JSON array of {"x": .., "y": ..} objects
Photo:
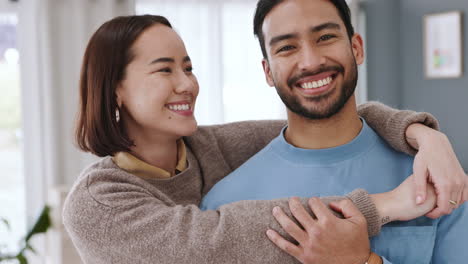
[
  {"x": 108, "y": 53},
  {"x": 265, "y": 6}
]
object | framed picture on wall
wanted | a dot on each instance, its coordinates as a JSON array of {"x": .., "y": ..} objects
[{"x": 443, "y": 56}]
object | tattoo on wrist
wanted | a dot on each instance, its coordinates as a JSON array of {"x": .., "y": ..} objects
[{"x": 385, "y": 220}]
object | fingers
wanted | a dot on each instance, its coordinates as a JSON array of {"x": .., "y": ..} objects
[
  {"x": 300, "y": 213},
  {"x": 288, "y": 225},
  {"x": 447, "y": 209},
  {"x": 443, "y": 197},
  {"x": 322, "y": 212},
  {"x": 458, "y": 198},
  {"x": 465, "y": 191},
  {"x": 283, "y": 244},
  {"x": 420, "y": 181},
  {"x": 444, "y": 207},
  {"x": 346, "y": 208},
  {"x": 434, "y": 214},
  {"x": 456, "y": 187},
  {"x": 465, "y": 195}
]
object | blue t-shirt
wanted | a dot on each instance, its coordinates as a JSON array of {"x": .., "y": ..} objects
[{"x": 282, "y": 170}]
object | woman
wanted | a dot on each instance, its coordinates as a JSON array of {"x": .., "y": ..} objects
[{"x": 140, "y": 203}]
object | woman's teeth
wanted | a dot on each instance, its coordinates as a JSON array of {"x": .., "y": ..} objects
[
  {"x": 317, "y": 84},
  {"x": 179, "y": 107}
]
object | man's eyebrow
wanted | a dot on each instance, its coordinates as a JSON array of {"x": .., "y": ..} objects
[
  {"x": 329, "y": 25},
  {"x": 279, "y": 38},
  {"x": 186, "y": 59}
]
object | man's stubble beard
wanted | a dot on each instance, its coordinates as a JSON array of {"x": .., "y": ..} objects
[{"x": 293, "y": 103}]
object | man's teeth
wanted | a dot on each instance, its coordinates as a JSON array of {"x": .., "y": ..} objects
[
  {"x": 180, "y": 107},
  {"x": 316, "y": 84}
]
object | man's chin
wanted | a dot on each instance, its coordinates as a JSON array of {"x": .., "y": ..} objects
[{"x": 322, "y": 109}]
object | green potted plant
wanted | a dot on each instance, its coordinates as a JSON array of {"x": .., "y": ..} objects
[{"x": 43, "y": 223}]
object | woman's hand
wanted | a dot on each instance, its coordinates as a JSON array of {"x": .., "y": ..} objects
[
  {"x": 399, "y": 204},
  {"x": 437, "y": 163}
]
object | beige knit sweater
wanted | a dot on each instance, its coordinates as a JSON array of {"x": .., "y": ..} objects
[{"x": 115, "y": 217}]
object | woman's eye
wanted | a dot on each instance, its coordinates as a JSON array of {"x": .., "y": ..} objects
[
  {"x": 285, "y": 48},
  {"x": 326, "y": 37},
  {"x": 168, "y": 70}
]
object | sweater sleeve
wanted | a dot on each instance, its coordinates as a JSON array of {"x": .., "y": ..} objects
[
  {"x": 391, "y": 124},
  {"x": 114, "y": 220},
  {"x": 230, "y": 145}
]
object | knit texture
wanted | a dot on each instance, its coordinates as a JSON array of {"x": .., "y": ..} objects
[{"x": 116, "y": 217}]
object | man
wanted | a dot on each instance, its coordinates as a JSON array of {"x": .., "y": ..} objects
[{"x": 311, "y": 55}]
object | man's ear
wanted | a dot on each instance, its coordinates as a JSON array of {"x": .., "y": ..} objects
[
  {"x": 357, "y": 45},
  {"x": 267, "y": 71}
]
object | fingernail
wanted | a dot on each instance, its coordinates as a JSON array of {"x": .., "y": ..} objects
[
  {"x": 269, "y": 233},
  {"x": 419, "y": 199},
  {"x": 275, "y": 209}
]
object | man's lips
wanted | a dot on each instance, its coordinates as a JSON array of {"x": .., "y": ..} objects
[
  {"x": 316, "y": 86},
  {"x": 320, "y": 74},
  {"x": 317, "y": 77}
]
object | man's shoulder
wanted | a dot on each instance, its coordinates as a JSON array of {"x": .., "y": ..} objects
[
  {"x": 258, "y": 161},
  {"x": 384, "y": 148},
  {"x": 233, "y": 143},
  {"x": 238, "y": 129}
]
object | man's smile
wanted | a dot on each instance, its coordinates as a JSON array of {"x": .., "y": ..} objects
[{"x": 316, "y": 84}]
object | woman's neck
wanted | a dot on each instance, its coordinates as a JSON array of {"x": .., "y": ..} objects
[{"x": 159, "y": 151}]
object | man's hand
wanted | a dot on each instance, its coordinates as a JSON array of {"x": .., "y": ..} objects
[
  {"x": 437, "y": 163},
  {"x": 326, "y": 238}
]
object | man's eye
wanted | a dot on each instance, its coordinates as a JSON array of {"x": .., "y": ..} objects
[
  {"x": 285, "y": 48},
  {"x": 189, "y": 69},
  {"x": 326, "y": 37}
]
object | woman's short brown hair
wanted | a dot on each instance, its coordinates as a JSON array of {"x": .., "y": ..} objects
[{"x": 107, "y": 55}]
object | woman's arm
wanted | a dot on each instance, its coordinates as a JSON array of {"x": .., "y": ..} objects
[
  {"x": 116, "y": 218},
  {"x": 391, "y": 124},
  {"x": 434, "y": 155},
  {"x": 220, "y": 149}
]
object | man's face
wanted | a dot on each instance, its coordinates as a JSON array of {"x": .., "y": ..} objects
[{"x": 311, "y": 61}]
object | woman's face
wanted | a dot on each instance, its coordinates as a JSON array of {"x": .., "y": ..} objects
[{"x": 157, "y": 96}]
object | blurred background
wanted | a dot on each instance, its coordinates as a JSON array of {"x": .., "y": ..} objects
[{"x": 42, "y": 43}]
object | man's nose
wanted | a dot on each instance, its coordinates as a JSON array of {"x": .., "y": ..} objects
[{"x": 310, "y": 59}]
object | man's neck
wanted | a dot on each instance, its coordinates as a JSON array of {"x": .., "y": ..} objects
[{"x": 335, "y": 131}]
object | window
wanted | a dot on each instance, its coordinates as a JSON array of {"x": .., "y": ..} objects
[
  {"x": 12, "y": 195},
  {"x": 220, "y": 33}
]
